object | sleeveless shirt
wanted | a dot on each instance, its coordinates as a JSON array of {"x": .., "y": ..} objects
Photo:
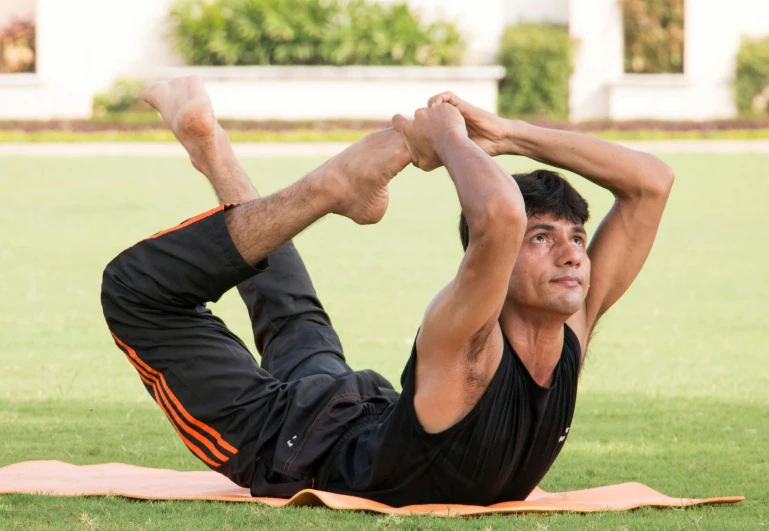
[{"x": 499, "y": 452}]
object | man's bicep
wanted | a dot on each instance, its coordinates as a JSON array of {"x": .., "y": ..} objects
[
  {"x": 619, "y": 249},
  {"x": 452, "y": 346},
  {"x": 452, "y": 357}
]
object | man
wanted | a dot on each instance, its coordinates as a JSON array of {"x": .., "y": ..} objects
[{"x": 489, "y": 391}]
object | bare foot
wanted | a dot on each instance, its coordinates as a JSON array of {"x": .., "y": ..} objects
[
  {"x": 186, "y": 108},
  {"x": 363, "y": 171}
]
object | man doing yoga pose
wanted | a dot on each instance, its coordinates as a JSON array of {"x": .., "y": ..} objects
[{"x": 489, "y": 390}]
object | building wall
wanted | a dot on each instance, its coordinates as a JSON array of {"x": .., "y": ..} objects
[
  {"x": 595, "y": 26},
  {"x": 83, "y": 45},
  {"x": 10, "y": 9},
  {"x": 536, "y": 11},
  {"x": 350, "y": 92},
  {"x": 600, "y": 89},
  {"x": 483, "y": 21}
]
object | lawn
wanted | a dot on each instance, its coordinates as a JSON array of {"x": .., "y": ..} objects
[
  {"x": 339, "y": 134},
  {"x": 675, "y": 392}
]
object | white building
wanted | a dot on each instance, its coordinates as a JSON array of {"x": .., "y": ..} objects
[
  {"x": 83, "y": 45},
  {"x": 713, "y": 29}
]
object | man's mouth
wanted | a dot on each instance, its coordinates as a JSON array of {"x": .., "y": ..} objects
[{"x": 568, "y": 281}]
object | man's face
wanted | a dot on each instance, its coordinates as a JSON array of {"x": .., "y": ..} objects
[{"x": 552, "y": 272}]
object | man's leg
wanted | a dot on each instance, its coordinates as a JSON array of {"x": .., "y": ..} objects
[
  {"x": 291, "y": 329},
  {"x": 352, "y": 184},
  {"x": 223, "y": 406}
]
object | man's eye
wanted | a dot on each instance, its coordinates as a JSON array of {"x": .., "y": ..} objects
[
  {"x": 539, "y": 238},
  {"x": 579, "y": 241}
]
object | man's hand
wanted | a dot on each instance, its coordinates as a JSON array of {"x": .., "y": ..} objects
[
  {"x": 425, "y": 133},
  {"x": 487, "y": 130}
]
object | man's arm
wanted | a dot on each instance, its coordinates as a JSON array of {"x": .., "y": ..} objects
[
  {"x": 455, "y": 363},
  {"x": 640, "y": 182}
]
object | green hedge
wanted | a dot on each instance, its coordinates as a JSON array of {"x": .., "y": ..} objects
[
  {"x": 123, "y": 96},
  {"x": 538, "y": 62},
  {"x": 309, "y": 32},
  {"x": 752, "y": 76}
]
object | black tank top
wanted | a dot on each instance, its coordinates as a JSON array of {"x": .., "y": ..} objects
[{"x": 499, "y": 452}]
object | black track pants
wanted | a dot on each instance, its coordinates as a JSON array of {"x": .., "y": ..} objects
[{"x": 266, "y": 427}]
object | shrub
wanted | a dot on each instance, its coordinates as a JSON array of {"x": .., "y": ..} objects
[
  {"x": 538, "y": 63},
  {"x": 125, "y": 95},
  {"x": 309, "y": 32},
  {"x": 751, "y": 83},
  {"x": 654, "y": 36}
]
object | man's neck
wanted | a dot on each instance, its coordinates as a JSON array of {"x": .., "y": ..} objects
[{"x": 536, "y": 338}]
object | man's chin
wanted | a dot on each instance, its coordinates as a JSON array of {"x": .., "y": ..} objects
[{"x": 567, "y": 306}]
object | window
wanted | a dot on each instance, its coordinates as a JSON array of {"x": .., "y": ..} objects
[
  {"x": 17, "y": 36},
  {"x": 654, "y": 36}
]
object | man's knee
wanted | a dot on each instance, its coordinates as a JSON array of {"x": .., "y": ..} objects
[
  {"x": 132, "y": 291},
  {"x": 118, "y": 289}
]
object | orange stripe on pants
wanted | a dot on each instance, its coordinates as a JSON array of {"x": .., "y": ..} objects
[
  {"x": 191, "y": 220},
  {"x": 221, "y": 442},
  {"x": 203, "y": 457},
  {"x": 162, "y": 393},
  {"x": 162, "y": 401}
]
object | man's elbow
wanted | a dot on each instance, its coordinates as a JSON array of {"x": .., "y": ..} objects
[
  {"x": 502, "y": 213},
  {"x": 664, "y": 181},
  {"x": 653, "y": 181},
  {"x": 660, "y": 179}
]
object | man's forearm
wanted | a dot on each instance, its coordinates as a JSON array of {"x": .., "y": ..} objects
[
  {"x": 478, "y": 179},
  {"x": 623, "y": 171}
]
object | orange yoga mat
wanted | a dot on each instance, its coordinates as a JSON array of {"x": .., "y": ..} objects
[{"x": 56, "y": 478}]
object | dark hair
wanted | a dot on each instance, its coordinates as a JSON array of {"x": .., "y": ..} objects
[{"x": 544, "y": 192}]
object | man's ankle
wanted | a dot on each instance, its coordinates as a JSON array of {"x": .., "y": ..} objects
[
  {"x": 324, "y": 184},
  {"x": 212, "y": 154}
]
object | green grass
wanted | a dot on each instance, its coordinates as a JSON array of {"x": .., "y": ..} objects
[{"x": 675, "y": 392}]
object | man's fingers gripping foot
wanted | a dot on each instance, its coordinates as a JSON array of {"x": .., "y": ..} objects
[{"x": 444, "y": 97}]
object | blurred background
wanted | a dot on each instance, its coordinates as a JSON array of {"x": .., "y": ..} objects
[{"x": 567, "y": 61}]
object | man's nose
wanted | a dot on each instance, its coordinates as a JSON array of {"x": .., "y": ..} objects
[{"x": 570, "y": 254}]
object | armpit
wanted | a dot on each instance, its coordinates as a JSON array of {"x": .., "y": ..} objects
[{"x": 476, "y": 364}]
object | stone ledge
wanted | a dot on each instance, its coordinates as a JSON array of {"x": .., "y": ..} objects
[
  {"x": 335, "y": 73},
  {"x": 20, "y": 80},
  {"x": 329, "y": 92},
  {"x": 652, "y": 81}
]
